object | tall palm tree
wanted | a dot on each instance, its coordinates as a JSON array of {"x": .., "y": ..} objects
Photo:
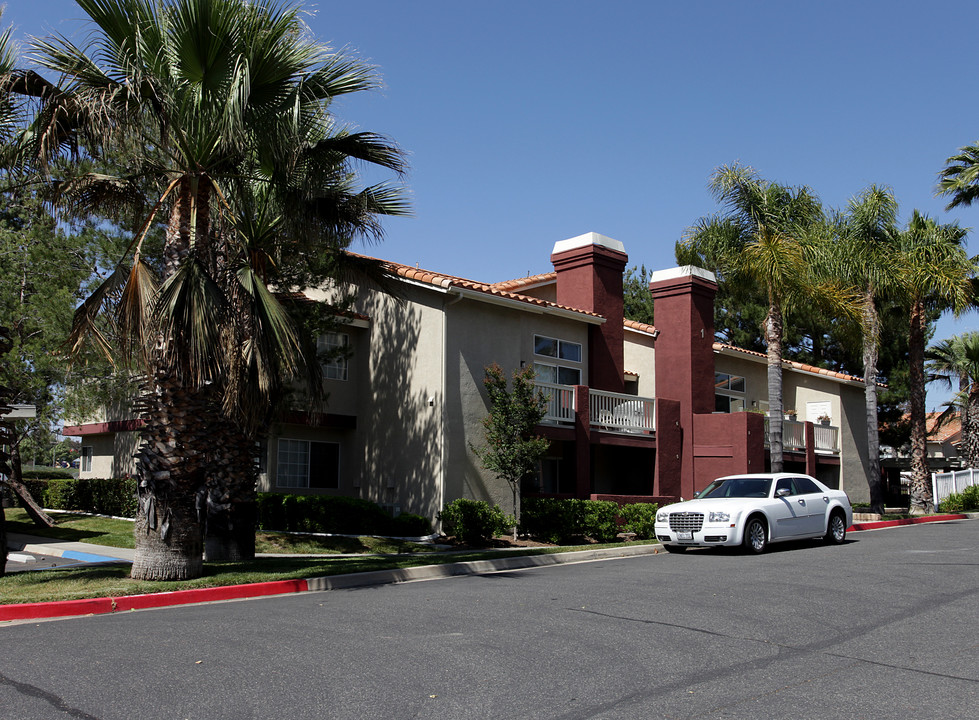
[
  {"x": 861, "y": 253},
  {"x": 936, "y": 274},
  {"x": 957, "y": 359},
  {"x": 760, "y": 239},
  {"x": 199, "y": 97}
]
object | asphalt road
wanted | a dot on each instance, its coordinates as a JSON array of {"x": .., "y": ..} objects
[{"x": 884, "y": 626}]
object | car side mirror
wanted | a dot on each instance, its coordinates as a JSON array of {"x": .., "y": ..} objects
[{"x": 782, "y": 492}]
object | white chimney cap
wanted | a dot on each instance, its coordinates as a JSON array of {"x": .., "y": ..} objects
[{"x": 591, "y": 238}]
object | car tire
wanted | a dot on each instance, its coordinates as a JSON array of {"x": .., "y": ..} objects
[
  {"x": 836, "y": 529},
  {"x": 755, "y": 536},
  {"x": 675, "y": 548}
]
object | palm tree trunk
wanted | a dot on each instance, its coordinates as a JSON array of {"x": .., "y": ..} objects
[
  {"x": 970, "y": 429},
  {"x": 6, "y": 438},
  {"x": 170, "y": 482},
  {"x": 231, "y": 494},
  {"x": 870, "y": 335},
  {"x": 773, "y": 338},
  {"x": 921, "y": 498}
]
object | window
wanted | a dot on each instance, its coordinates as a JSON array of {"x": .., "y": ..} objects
[
  {"x": 728, "y": 393},
  {"x": 87, "y": 454},
  {"x": 557, "y": 372},
  {"x": 308, "y": 464},
  {"x": 336, "y": 348}
]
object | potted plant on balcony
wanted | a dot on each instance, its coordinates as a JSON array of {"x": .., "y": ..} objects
[
  {"x": 790, "y": 415},
  {"x": 823, "y": 419}
]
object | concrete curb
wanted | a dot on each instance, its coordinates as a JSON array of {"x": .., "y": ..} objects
[{"x": 97, "y": 606}]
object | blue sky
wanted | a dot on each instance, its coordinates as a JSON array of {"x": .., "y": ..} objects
[{"x": 530, "y": 122}]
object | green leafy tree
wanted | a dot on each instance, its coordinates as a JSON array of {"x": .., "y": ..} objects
[
  {"x": 861, "y": 252},
  {"x": 935, "y": 273},
  {"x": 513, "y": 449},
  {"x": 760, "y": 239},
  {"x": 209, "y": 103},
  {"x": 636, "y": 297},
  {"x": 955, "y": 363}
]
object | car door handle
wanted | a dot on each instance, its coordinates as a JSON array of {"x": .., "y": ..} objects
[{"x": 802, "y": 502}]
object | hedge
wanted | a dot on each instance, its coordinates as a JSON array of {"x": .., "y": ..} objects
[
  {"x": 335, "y": 514},
  {"x": 116, "y": 496},
  {"x": 569, "y": 520},
  {"x": 474, "y": 521}
]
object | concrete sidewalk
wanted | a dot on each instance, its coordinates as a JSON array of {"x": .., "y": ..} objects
[{"x": 83, "y": 552}]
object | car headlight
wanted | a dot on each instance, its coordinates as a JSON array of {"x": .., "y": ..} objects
[
  {"x": 662, "y": 516},
  {"x": 718, "y": 517}
]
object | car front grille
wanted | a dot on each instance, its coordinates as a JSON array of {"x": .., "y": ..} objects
[{"x": 686, "y": 521}]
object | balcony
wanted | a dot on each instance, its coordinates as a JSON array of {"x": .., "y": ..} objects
[
  {"x": 611, "y": 412},
  {"x": 826, "y": 438}
]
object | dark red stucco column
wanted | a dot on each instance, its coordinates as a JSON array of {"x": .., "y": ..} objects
[
  {"x": 684, "y": 314},
  {"x": 589, "y": 277},
  {"x": 582, "y": 441}
]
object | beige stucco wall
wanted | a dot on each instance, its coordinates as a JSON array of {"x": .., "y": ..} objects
[
  {"x": 846, "y": 402},
  {"x": 112, "y": 454},
  {"x": 640, "y": 357}
]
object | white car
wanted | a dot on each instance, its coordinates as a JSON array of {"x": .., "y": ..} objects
[{"x": 755, "y": 510}]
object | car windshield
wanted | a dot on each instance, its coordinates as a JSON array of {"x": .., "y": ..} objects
[{"x": 738, "y": 487}]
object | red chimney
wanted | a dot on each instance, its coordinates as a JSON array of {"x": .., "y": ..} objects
[{"x": 589, "y": 277}]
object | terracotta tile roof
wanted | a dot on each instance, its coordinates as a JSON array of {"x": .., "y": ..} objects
[
  {"x": 791, "y": 363},
  {"x": 641, "y": 327},
  {"x": 950, "y": 430},
  {"x": 510, "y": 285},
  {"x": 450, "y": 281}
]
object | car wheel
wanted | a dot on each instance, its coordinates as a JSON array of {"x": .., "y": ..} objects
[
  {"x": 675, "y": 548},
  {"x": 836, "y": 530},
  {"x": 755, "y": 536}
]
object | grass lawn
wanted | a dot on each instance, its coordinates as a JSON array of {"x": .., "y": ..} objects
[
  {"x": 114, "y": 580},
  {"x": 119, "y": 533}
]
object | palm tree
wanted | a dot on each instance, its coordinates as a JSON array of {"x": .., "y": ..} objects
[
  {"x": 861, "y": 252},
  {"x": 936, "y": 274},
  {"x": 760, "y": 240},
  {"x": 201, "y": 97},
  {"x": 957, "y": 359}
]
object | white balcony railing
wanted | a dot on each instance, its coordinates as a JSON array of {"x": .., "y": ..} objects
[
  {"x": 560, "y": 402},
  {"x": 621, "y": 413},
  {"x": 826, "y": 437}
]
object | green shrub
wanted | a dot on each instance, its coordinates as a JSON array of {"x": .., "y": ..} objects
[
  {"x": 409, "y": 525},
  {"x": 639, "y": 518},
  {"x": 954, "y": 503},
  {"x": 47, "y": 473},
  {"x": 970, "y": 497},
  {"x": 568, "y": 520},
  {"x": 113, "y": 496},
  {"x": 474, "y": 521},
  {"x": 334, "y": 514}
]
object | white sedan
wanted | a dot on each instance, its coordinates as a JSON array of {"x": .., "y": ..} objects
[{"x": 754, "y": 510}]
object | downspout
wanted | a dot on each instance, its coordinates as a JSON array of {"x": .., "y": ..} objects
[{"x": 446, "y": 304}]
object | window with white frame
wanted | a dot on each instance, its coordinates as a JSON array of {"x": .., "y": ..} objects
[
  {"x": 87, "y": 454},
  {"x": 307, "y": 464},
  {"x": 729, "y": 393},
  {"x": 335, "y": 346},
  {"x": 564, "y": 366}
]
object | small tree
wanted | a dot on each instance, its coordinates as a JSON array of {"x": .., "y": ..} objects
[{"x": 513, "y": 450}]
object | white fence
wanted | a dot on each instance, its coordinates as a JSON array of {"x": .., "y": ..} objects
[{"x": 944, "y": 484}]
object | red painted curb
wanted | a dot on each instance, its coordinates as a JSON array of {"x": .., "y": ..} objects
[
  {"x": 98, "y": 606},
  {"x": 907, "y": 521}
]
